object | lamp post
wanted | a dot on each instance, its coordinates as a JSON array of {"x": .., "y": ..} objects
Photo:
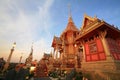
[{"x": 9, "y": 57}]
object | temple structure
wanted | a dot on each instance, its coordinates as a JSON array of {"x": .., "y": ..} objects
[
  {"x": 65, "y": 47},
  {"x": 101, "y": 44},
  {"x": 93, "y": 47}
]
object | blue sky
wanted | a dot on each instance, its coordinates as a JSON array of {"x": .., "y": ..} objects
[{"x": 37, "y": 21}]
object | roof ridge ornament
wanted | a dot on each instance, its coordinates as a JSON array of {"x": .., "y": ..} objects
[{"x": 95, "y": 16}]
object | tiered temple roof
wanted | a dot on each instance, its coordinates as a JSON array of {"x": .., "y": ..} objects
[{"x": 70, "y": 26}]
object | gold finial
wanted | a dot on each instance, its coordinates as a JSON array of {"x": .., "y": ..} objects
[
  {"x": 69, "y": 8},
  {"x": 95, "y": 16},
  {"x": 70, "y": 16}
]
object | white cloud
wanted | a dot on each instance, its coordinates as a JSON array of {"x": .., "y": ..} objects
[{"x": 18, "y": 25}]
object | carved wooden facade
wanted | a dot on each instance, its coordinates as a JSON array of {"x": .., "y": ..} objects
[{"x": 101, "y": 45}]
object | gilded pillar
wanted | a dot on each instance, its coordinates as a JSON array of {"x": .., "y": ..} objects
[{"x": 105, "y": 44}]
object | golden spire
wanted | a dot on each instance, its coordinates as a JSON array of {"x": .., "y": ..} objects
[
  {"x": 69, "y": 13},
  {"x": 70, "y": 26},
  {"x": 69, "y": 8}
]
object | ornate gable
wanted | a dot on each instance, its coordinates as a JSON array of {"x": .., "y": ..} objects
[
  {"x": 87, "y": 21},
  {"x": 56, "y": 40}
]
